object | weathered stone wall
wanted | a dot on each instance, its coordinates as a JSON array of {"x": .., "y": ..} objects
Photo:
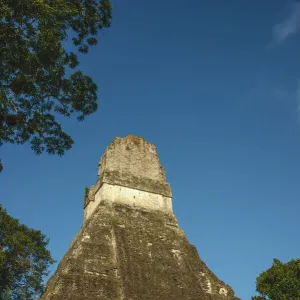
[
  {"x": 130, "y": 172},
  {"x": 127, "y": 253},
  {"x": 133, "y": 155},
  {"x": 134, "y": 163},
  {"x": 130, "y": 246},
  {"x": 125, "y": 195}
]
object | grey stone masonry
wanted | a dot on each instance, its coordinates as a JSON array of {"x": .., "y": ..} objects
[
  {"x": 130, "y": 246},
  {"x": 133, "y": 162}
]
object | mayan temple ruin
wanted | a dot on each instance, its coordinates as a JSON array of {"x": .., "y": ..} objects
[{"x": 130, "y": 246}]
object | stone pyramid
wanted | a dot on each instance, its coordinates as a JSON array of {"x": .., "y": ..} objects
[{"x": 130, "y": 246}]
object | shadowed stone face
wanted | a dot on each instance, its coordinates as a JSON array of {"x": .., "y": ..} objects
[{"x": 126, "y": 253}]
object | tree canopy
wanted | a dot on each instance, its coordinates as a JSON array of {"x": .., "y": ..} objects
[
  {"x": 39, "y": 78},
  {"x": 280, "y": 282},
  {"x": 24, "y": 259}
]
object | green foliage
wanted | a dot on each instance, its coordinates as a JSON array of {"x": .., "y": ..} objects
[
  {"x": 280, "y": 282},
  {"x": 38, "y": 77},
  {"x": 86, "y": 191},
  {"x": 24, "y": 259}
]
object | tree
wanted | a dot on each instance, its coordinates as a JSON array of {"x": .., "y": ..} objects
[
  {"x": 24, "y": 259},
  {"x": 39, "y": 78},
  {"x": 280, "y": 282}
]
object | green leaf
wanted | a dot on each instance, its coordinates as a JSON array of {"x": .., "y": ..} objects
[
  {"x": 35, "y": 79},
  {"x": 24, "y": 259},
  {"x": 280, "y": 282}
]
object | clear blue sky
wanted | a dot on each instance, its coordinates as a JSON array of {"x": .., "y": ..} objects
[{"x": 215, "y": 86}]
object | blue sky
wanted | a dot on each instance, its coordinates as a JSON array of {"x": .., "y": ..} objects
[{"x": 215, "y": 86}]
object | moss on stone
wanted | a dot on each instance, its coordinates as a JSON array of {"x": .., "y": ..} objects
[{"x": 125, "y": 253}]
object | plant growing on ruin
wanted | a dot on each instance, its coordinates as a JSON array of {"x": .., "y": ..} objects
[
  {"x": 86, "y": 192},
  {"x": 39, "y": 78},
  {"x": 24, "y": 259}
]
